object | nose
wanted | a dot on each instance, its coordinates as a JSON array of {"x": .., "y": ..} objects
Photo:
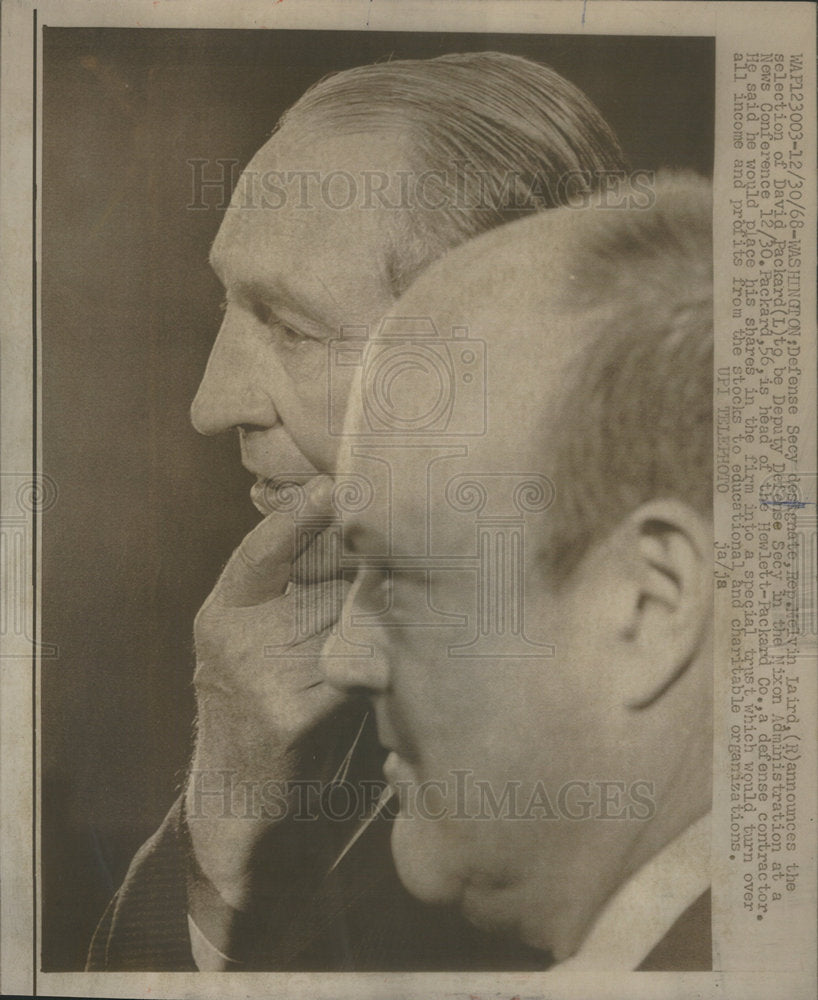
[
  {"x": 237, "y": 384},
  {"x": 355, "y": 658}
]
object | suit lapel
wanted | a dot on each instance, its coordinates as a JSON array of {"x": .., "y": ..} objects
[{"x": 687, "y": 946}]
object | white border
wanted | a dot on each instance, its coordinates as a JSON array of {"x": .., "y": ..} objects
[{"x": 736, "y": 25}]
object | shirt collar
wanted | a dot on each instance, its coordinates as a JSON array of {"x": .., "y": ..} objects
[{"x": 641, "y": 912}]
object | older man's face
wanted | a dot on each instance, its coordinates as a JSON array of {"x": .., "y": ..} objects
[
  {"x": 484, "y": 681},
  {"x": 295, "y": 270}
]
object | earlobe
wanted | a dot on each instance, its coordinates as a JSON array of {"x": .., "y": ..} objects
[{"x": 671, "y": 596}]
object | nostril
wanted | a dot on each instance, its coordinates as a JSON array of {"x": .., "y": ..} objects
[{"x": 249, "y": 428}]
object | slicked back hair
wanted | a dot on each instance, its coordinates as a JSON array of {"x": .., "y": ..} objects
[{"x": 503, "y": 136}]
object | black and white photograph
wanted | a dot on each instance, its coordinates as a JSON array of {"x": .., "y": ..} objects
[{"x": 419, "y": 509}]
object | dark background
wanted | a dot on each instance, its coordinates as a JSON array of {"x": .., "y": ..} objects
[{"x": 147, "y": 511}]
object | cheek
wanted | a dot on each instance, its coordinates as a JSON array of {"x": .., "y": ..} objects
[
  {"x": 317, "y": 445},
  {"x": 522, "y": 722},
  {"x": 322, "y": 397},
  {"x": 308, "y": 423},
  {"x": 484, "y": 716}
]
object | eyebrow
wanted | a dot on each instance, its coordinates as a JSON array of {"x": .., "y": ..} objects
[
  {"x": 249, "y": 291},
  {"x": 217, "y": 263},
  {"x": 270, "y": 295}
]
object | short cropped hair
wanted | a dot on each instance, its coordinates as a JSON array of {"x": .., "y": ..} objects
[
  {"x": 503, "y": 136},
  {"x": 636, "y": 418}
]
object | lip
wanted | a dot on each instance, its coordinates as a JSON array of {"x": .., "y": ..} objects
[
  {"x": 397, "y": 770},
  {"x": 398, "y": 749},
  {"x": 278, "y": 493},
  {"x": 272, "y": 453}
]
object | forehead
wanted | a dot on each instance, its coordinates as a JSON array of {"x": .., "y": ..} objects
[{"x": 287, "y": 229}]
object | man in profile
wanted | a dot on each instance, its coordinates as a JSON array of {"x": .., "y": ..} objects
[
  {"x": 446, "y": 149},
  {"x": 534, "y": 631}
]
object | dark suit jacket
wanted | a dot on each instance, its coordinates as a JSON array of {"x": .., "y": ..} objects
[
  {"x": 688, "y": 945},
  {"x": 360, "y": 918}
]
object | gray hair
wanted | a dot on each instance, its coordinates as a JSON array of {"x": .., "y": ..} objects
[{"x": 504, "y": 136}]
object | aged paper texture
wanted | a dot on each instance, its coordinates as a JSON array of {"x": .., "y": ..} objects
[{"x": 503, "y": 679}]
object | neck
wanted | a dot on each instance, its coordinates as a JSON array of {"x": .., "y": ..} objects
[{"x": 596, "y": 871}]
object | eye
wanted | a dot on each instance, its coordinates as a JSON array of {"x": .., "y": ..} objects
[
  {"x": 263, "y": 313},
  {"x": 284, "y": 335},
  {"x": 287, "y": 337}
]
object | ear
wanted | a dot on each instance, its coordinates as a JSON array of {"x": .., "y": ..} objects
[{"x": 666, "y": 608}]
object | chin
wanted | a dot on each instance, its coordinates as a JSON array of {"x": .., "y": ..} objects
[
  {"x": 437, "y": 869},
  {"x": 424, "y": 861},
  {"x": 494, "y": 909}
]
